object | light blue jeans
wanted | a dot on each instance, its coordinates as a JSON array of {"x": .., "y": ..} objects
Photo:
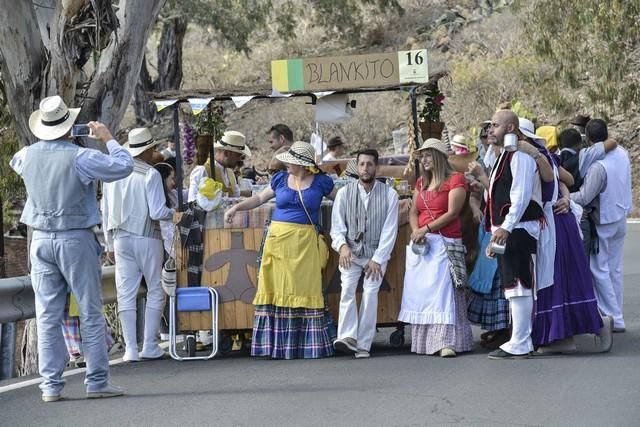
[{"x": 59, "y": 259}]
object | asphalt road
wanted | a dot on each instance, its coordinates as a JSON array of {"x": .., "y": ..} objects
[{"x": 392, "y": 388}]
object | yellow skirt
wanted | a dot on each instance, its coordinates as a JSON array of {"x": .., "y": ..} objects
[{"x": 290, "y": 272}]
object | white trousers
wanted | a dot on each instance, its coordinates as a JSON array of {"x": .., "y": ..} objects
[
  {"x": 136, "y": 257},
  {"x": 606, "y": 268},
  {"x": 361, "y": 325}
]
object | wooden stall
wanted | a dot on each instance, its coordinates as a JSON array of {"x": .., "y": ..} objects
[{"x": 230, "y": 265}]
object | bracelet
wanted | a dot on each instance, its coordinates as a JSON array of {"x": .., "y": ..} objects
[
  {"x": 428, "y": 228},
  {"x": 537, "y": 156}
]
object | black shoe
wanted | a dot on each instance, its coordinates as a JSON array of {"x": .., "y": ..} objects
[{"x": 500, "y": 354}]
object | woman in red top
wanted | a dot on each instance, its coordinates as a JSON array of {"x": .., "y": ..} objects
[{"x": 436, "y": 310}]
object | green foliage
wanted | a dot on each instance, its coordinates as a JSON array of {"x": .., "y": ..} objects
[
  {"x": 11, "y": 185},
  {"x": 433, "y": 102},
  {"x": 593, "y": 45},
  {"x": 211, "y": 122}
]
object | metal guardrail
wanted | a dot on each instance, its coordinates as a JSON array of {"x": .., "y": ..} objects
[{"x": 17, "y": 301}]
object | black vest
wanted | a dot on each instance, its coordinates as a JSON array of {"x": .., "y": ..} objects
[
  {"x": 571, "y": 162},
  {"x": 499, "y": 201}
]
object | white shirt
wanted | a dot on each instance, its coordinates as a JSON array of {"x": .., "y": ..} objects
[
  {"x": 329, "y": 157},
  {"x": 92, "y": 164},
  {"x": 525, "y": 187},
  {"x": 199, "y": 174},
  {"x": 389, "y": 229},
  {"x": 156, "y": 203}
]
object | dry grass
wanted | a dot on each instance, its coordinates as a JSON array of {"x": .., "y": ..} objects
[{"x": 488, "y": 61}]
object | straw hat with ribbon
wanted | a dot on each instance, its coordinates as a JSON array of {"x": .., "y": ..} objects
[
  {"x": 434, "y": 144},
  {"x": 53, "y": 120},
  {"x": 233, "y": 141},
  {"x": 352, "y": 169},
  {"x": 139, "y": 141},
  {"x": 300, "y": 153}
]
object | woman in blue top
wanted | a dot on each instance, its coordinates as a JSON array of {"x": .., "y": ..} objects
[{"x": 289, "y": 320}]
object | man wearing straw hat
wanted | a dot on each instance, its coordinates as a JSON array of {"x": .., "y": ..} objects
[
  {"x": 132, "y": 208},
  {"x": 364, "y": 226},
  {"x": 61, "y": 208},
  {"x": 229, "y": 151}
]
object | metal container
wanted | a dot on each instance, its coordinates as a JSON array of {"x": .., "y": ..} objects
[
  {"x": 421, "y": 248},
  {"x": 510, "y": 142},
  {"x": 496, "y": 248}
]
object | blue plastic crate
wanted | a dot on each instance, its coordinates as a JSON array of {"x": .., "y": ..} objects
[{"x": 193, "y": 299}]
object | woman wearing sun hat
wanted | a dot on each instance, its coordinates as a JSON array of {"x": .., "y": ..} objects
[
  {"x": 436, "y": 310},
  {"x": 289, "y": 320}
]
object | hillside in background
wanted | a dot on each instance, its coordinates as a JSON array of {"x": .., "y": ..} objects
[{"x": 481, "y": 44}]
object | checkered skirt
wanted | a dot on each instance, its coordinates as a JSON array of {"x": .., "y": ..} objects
[
  {"x": 292, "y": 333},
  {"x": 490, "y": 311},
  {"x": 429, "y": 339}
]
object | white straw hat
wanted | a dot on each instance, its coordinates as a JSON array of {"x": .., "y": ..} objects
[
  {"x": 459, "y": 141},
  {"x": 53, "y": 120},
  {"x": 435, "y": 144},
  {"x": 300, "y": 153},
  {"x": 528, "y": 129},
  {"x": 139, "y": 141},
  {"x": 233, "y": 141}
]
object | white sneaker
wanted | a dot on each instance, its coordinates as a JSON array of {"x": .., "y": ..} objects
[
  {"x": 346, "y": 345},
  {"x": 50, "y": 397},
  {"x": 156, "y": 352},
  {"x": 362, "y": 354},
  {"x": 131, "y": 356},
  {"x": 107, "y": 391}
]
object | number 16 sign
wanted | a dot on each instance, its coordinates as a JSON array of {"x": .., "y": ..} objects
[{"x": 412, "y": 66}]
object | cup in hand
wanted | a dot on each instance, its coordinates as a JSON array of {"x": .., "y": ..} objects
[{"x": 510, "y": 142}]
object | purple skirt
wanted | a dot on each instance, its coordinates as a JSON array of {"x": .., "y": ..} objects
[{"x": 569, "y": 307}]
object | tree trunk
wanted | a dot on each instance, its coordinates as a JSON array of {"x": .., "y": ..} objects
[
  {"x": 169, "y": 70},
  {"x": 43, "y": 53},
  {"x": 119, "y": 66},
  {"x": 30, "y": 71},
  {"x": 22, "y": 61}
]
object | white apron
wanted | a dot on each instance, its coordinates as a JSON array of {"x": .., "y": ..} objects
[{"x": 428, "y": 294}]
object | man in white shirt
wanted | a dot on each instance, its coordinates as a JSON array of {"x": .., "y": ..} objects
[
  {"x": 607, "y": 191},
  {"x": 230, "y": 150},
  {"x": 132, "y": 208},
  {"x": 61, "y": 208},
  {"x": 336, "y": 149},
  {"x": 364, "y": 226},
  {"x": 513, "y": 214}
]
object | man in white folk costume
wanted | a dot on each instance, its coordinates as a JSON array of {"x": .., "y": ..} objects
[
  {"x": 132, "y": 208},
  {"x": 606, "y": 190},
  {"x": 513, "y": 215},
  {"x": 228, "y": 152},
  {"x": 364, "y": 226}
]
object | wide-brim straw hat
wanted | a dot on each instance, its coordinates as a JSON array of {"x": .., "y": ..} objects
[
  {"x": 351, "y": 169},
  {"x": 459, "y": 141},
  {"x": 300, "y": 153},
  {"x": 233, "y": 141},
  {"x": 435, "y": 144},
  {"x": 53, "y": 120},
  {"x": 139, "y": 141}
]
